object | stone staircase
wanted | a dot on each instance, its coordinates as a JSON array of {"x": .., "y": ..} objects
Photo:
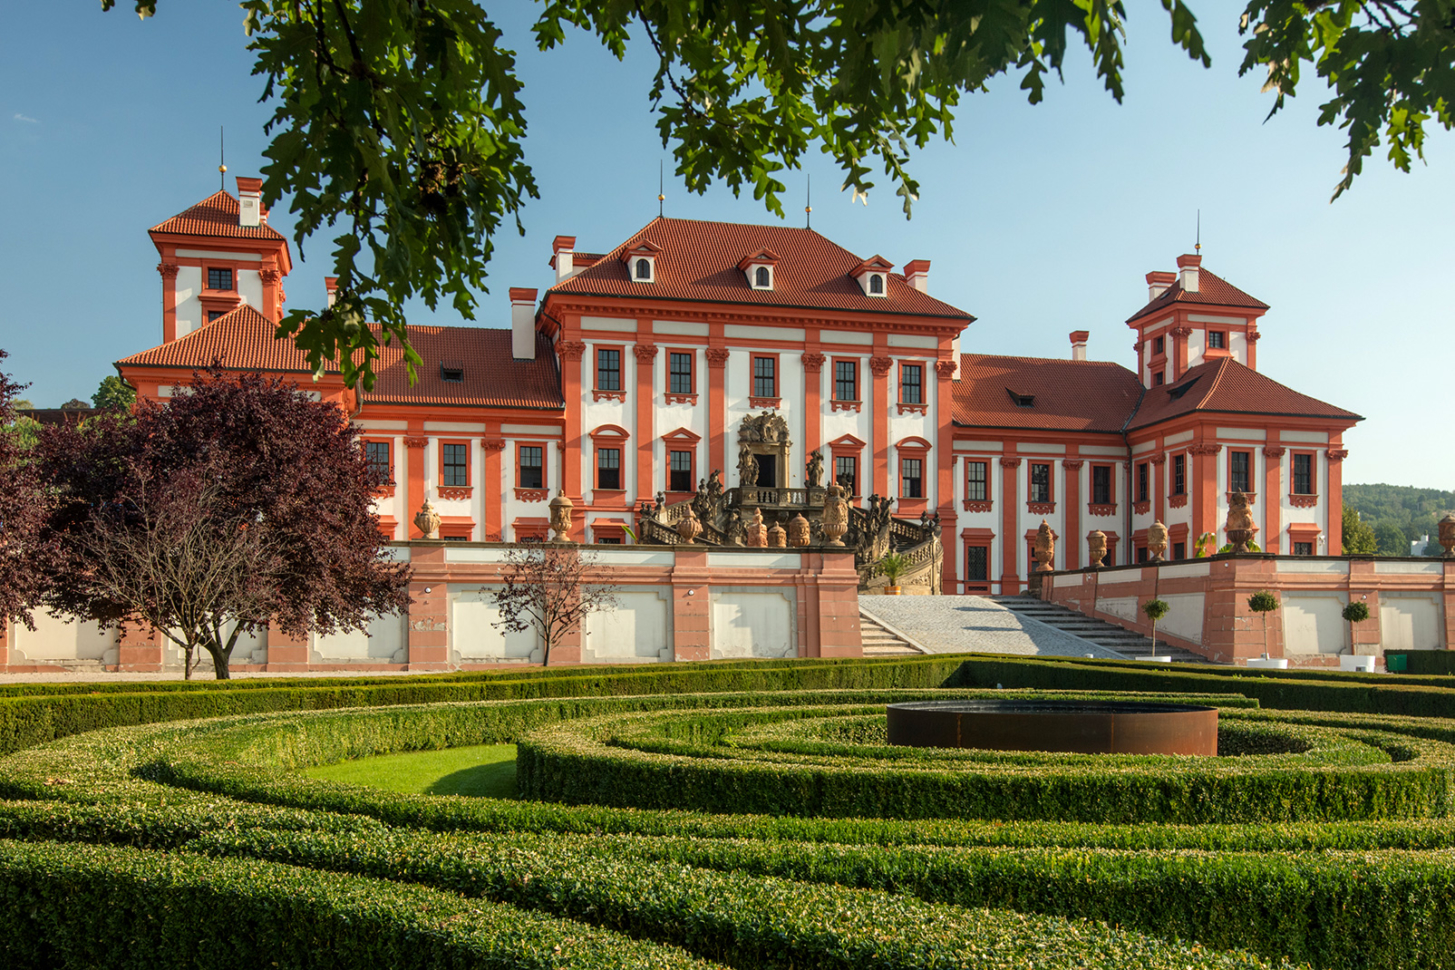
[
  {"x": 881, "y": 641},
  {"x": 1128, "y": 643}
]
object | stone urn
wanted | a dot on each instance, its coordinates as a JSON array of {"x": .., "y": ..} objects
[
  {"x": 756, "y": 535},
  {"x": 1156, "y": 542},
  {"x": 688, "y": 527},
  {"x": 777, "y": 537},
  {"x": 1240, "y": 522},
  {"x": 798, "y": 530},
  {"x": 427, "y": 521},
  {"x": 1096, "y": 547},
  {"x": 1447, "y": 535},
  {"x": 1045, "y": 548},
  {"x": 561, "y": 508},
  {"x": 835, "y": 514}
]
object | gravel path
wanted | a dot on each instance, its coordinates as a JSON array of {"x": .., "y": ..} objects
[{"x": 974, "y": 624}]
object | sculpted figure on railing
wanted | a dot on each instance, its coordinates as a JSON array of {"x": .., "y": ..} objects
[
  {"x": 747, "y": 467},
  {"x": 815, "y": 469}
]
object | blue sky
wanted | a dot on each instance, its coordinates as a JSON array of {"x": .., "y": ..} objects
[{"x": 1038, "y": 220}]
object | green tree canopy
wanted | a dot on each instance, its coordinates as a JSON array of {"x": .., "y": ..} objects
[
  {"x": 1357, "y": 536},
  {"x": 1391, "y": 540},
  {"x": 398, "y": 125},
  {"x": 114, "y": 394}
]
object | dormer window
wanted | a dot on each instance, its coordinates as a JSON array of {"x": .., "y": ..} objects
[
  {"x": 872, "y": 276},
  {"x": 1022, "y": 400},
  {"x": 758, "y": 269},
  {"x": 643, "y": 271},
  {"x": 452, "y": 373},
  {"x": 762, "y": 278},
  {"x": 641, "y": 262}
]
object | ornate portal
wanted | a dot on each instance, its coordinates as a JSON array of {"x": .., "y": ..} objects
[{"x": 763, "y": 451}]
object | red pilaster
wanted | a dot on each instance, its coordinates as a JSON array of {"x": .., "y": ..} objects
[
  {"x": 1159, "y": 484},
  {"x": 1253, "y": 336},
  {"x": 285, "y": 651},
  {"x": 691, "y": 603},
  {"x": 813, "y": 362},
  {"x": 879, "y": 401},
  {"x": 1179, "y": 343},
  {"x": 415, "y": 449},
  {"x": 571, "y": 352},
  {"x": 429, "y": 632},
  {"x": 717, "y": 358},
  {"x": 1333, "y": 529},
  {"x": 1205, "y": 489},
  {"x": 1010, "y": 498},
  {"x": 494, "y": 489},
  {"x": 140, "y": 649},
  {"x": 272, "y": 290},
  {"x": 1271, "y": 539},
  {"x": 168, "y": 270},
  {"x": 945, "y": 483},
  {"x": 1071, "y": 548},
  {"x": 646, "y": 354}
]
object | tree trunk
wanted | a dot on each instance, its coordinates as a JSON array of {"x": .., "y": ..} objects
[{"x": 221, "y": 662}]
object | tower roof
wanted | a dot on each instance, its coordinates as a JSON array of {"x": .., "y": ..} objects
[
  {"x": 216, "y": 216},
  {"x": 1212, "y": 290},
  {"x": 1226, "y": 386},
  {"x": 700, "y": 261}
]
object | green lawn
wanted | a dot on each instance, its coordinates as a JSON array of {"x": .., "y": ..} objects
[{"x": 483, "y": 771}]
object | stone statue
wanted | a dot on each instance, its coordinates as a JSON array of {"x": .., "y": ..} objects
[
  {"x": 815, "y": 469},
  {"x": 1096, "y": 546},
  {"x": 846, "y": 482},
  {"x": 427, "y": 520},
  {"x": 777, "y": 536},
  {"x": 798, "y": 530},
  {"x": 1446, "y": 535},
  {"x": 769, "y": 427},
  {"x": 561, "y": 508},
  {"x": 733, "y": 532},
  {"x": 756, "y": 535},
  {"x": 747, "y": 467},
  {"x": 707, "y": 503},
  {"x": 1156, "y": 542},
  {"x": 1045, "y": 548},
  {"x": 661, "y": 499},
  {"x": 688, "y": 527},
  {"x": 835, "y": 515},
  {"x": 1240, "y": 522}
]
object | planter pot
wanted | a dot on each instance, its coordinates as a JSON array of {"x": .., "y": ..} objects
[
  {"x": 1360, "y": 661},
  {"x": 1269, "y": 663},
  {"x": 1157, "y": 658},
  {"x": 891, "y": 591}
]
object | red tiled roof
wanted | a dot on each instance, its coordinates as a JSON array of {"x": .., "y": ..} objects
[
  {"x": 1068, "y": 395},
  {"x": 215, "y": 215},
  {"x": 699, "y": 261},
  {"x": 243, "y": 339},
  {"x": 1228, "y": 386},
  {"x": 1211, "y": 289}
]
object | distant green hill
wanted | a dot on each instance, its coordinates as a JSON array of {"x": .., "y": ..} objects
[{"x": 1413, "y": 511}]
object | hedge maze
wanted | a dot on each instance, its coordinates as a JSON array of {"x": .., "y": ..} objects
[{"x": 726, "y": 814}]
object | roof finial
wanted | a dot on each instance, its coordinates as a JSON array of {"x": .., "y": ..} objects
[
  {"x": 1198, "y": 248},
  {"x": 808, "y": 206},
  {"x": 221, "y": 160},
  {"x": 661, "y": 187}
]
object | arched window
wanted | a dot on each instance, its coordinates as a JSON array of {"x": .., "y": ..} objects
[
  {"x": 644, "y": 269},
  {"x": 761, "y": 278},
  {"x": 876, "y": 284}
]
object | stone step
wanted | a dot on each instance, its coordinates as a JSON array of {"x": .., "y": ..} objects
[
  {"x": 1128, "y": 643},
  {"x": 879, "y": 642}
]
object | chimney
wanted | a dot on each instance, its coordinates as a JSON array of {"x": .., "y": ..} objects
[
  {"x": 330, "y": 283},
  {"x": 564, "y": 247},
  {"x": 250, "y": 202},
  {"x": 917, "y": 274},
  {"x": 1188, "y": 267},
  {"x": 523, "y": 322},
  {"x": 1078, "y": 344},
  {"x": 1157, "y": 283}
]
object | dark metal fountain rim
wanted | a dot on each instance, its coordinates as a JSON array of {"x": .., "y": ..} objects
[{"x": 1047, "y": 707}]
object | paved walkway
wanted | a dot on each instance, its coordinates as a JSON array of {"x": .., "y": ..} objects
[{"x": 974, "y": 624}]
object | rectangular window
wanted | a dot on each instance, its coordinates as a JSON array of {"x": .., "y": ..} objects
[
  {"x": 214, "y": 314},
  {"x": 1238, "y": 462},
  {"x": 846, "y": 380},
  {"x": 608, "y": 468},
  {"x": 765, "y": 377},
  {"x": 1217, "y": 340},
  {"x": 532, "y": 468},
  {"x": 1159, "y": 346},
  {"x": 977, "y": 475},
  {"x": 679, "y": 472},
  {"x": 1158, "y": 378},
  {"x": 911, "y": 478},
  {"x": 1179, "y": 474},
  {"x": 608, "y": 370},
  {"x": 1101, "y": 485},
  {"x": 1303, "y": 548},
  {"x": 1142, "y": 554},
  {"x": 911, "y": 384},
  {"x": 1040, "y": 483},
  {"x": 680, "y": 373},
  {"x": 1142, "y": 477},
  {"x": 846, "y": 473},
  {"x": 219, "y": 279},
  {"x": 1179, "y": 550},
  {"x": 1303, "y": 474},
  {"x": 454, "y": 465},
  {"x": 977, "y": 564},
  {"x": 381, "y": 469},
  {"x": 609, "y": 541}
]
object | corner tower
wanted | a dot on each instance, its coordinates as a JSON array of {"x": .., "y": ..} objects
[
  {"x": 218, "y": 255},
  {"x": 1193, "y": 317}
]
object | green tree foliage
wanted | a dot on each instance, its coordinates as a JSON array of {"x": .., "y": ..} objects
[
  {"x": 1415, "y": 511},
  {"x": 1391, "y": 539},
  {"x": 114, "y": 394},
  {"x": 1155, "y": 610},
  {"x": 1357, "y": 536},
  {"x": 399, "y": 125}
]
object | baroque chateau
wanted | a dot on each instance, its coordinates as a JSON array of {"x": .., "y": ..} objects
[{"x": 645, "y": 368}]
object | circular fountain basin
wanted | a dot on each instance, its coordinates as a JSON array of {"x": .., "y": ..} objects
[{"x": 1085, "y": 727}]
